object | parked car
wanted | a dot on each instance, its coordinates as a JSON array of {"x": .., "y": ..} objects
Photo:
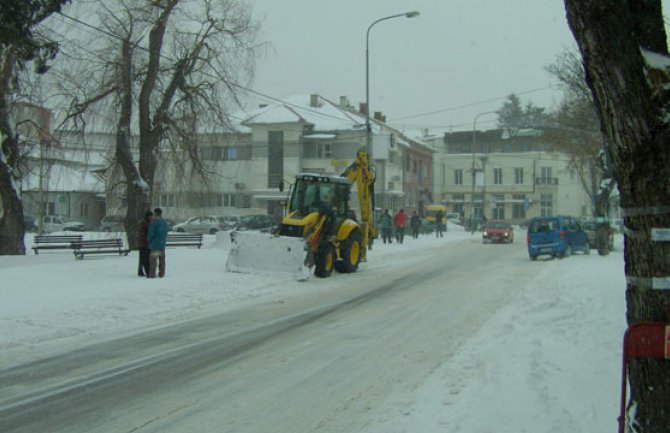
[
  {"x": 497, "y": 231},
  {"x": 202, "y": 224},
  {"x": 56, "y": 223},
  {"x": 556, "y": 236},
  {"x": 263, "y": 223},
  {"x": 590, "y": 228},
  {"x": 112, "y": 223},
  {"x": 455, "y": 217},
  {"x": 74, "y": 226},
  {"x": 231, "y": 220}
]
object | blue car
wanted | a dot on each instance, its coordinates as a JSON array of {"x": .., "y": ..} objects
[{"x": 556, "y": 236}]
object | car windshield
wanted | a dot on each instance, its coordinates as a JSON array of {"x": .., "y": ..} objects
[
  {"x": 496, "y": 225},
  {"x": 544, "y": 225}
]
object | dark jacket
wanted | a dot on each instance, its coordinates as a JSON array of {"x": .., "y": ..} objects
[
  {"x": 142, "y": 233},
  {"x": 415, "y": 221},
  {"x": 157, "y": 235}
]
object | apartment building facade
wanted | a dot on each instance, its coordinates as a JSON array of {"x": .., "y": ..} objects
[{"x": 509, "y": 175}]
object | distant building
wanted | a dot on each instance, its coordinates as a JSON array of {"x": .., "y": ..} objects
[{"x": 509, "y": 175}]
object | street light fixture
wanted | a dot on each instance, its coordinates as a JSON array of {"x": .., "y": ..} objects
[{"x": 368, "y": 126}]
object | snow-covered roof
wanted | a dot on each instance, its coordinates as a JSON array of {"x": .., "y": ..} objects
[
  {"x": 64, "y": 178},
  {"x": 320, "y": 136},
  {"x": 324, "y": 116}
]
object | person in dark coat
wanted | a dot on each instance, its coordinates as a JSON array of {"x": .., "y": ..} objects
[
  {"x": 439, "y": 218},
  {"x": 143, "y": 243},
  {"x": 386, "y": 224},
  {"x": 157, "y": 238},
  {"x": 415, "y": 223}
]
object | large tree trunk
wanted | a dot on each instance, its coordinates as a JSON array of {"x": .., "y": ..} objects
[
  {"x": 12, "y": 227},
  {"x": 136, "y": 188},
  {"x": 630, "y": 97},
  {"x": 601, "y": 212}
]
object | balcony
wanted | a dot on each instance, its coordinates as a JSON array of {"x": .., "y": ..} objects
[{"x": 551, "y": 181}]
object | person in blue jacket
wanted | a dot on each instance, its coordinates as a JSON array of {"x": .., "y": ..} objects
[{"x": 157, "y": 238}]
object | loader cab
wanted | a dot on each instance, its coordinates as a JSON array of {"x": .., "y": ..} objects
[{"x": 316, "y": 193}]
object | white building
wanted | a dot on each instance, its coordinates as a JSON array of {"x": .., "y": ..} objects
[{"x": 509, "y": 175}]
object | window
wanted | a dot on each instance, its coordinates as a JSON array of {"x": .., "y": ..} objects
[
  {"x": 225, "y": 153},
  {"x": 519, "y": 206},
  {"x": 83, "y": 209},
  {"x": 545, "y": 176},
  {"x": 393, "y": 157},
  {"x": 458, "y": 176},
  {"x": 497, "y": 176},
  {"x": 457, "y": 203},
  {"x": 166, "y": 200},
  {"x": 317, "y": 149},
  {"x": 546, "y": 204},
  {"x": 498, "y": 206},
  {"x": 275, "y": 160},
  {"x": 518, "y": 175},
  {"x": 50, "y": 208},
  {"x": 229, "y": 200}
]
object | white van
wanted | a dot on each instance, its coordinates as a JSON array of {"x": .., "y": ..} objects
[{"x": 56, "y": 223}]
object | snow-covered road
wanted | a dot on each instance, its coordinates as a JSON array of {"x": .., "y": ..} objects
[{"x": 216, "y": 351}]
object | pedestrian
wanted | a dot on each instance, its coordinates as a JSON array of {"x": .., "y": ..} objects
[
  {"x": 143, "y": 244},
  {"x": 157, "y": 237},
  {"x": 415, "y": 223},
  {"x": 439, "y": 217},
  {"x": 386, "y": 224},
  {"x": 399, "y": 221}
]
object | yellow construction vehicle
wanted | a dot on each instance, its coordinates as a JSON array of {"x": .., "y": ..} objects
[{"x": 318, "y": 213}]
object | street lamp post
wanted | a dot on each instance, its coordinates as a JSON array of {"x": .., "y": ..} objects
[
  {"x": 368, "y": 126},
  {"x": 474, "y": 171}
]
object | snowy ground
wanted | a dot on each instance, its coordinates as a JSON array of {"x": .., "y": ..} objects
[{"x": 554, "y": 352}]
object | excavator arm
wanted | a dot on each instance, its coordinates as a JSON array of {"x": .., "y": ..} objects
[{"x": 359, "y": 171}]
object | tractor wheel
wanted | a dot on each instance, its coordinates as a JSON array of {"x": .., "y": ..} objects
[
  {"x": 350, "y": 253},
  {"x": 324, "y": 260}
]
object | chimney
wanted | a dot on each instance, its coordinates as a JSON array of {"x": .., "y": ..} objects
[
  {"x": 262, "y": 105},
  {"x": 362, "y": 107},
  {"x": 344, "y": 102},
  {"x": 314, "y": 100},
  {"x": 380, "y": 117}
]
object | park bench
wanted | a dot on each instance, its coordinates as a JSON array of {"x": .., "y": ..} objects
[
  {"x": 184, "y": 240},
  {"x": 98, "y": 246},
  {"x": 54, "y": 242}
]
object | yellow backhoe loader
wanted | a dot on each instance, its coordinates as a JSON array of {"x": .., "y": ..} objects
[{"x": 320, "y": 222}]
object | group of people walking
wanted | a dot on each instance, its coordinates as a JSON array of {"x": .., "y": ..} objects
[
  {"x": 152, "y": 233},
  {"x": 387, "y": 224}
]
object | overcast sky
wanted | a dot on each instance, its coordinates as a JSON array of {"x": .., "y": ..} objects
[{"x": 450, "y": 59}]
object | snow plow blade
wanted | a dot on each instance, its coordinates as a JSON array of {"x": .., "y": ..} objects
[{"x": 263, "y": 253}]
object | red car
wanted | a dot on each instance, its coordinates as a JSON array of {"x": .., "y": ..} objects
[{"x": 497, "y": 231}]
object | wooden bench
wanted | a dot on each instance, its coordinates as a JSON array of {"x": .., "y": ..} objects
[
  {"x": 184, "y": 240},
  {"x": 98, "y": 246},
  {"x": 54, "y": 242}
]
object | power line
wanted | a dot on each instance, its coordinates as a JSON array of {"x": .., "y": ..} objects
[{"x": 472, "y": 104}]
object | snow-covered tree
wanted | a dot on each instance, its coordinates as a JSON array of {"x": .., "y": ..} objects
[
  {"x": 20, "y": 45},
  {"x": 160, "y": 70}
]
